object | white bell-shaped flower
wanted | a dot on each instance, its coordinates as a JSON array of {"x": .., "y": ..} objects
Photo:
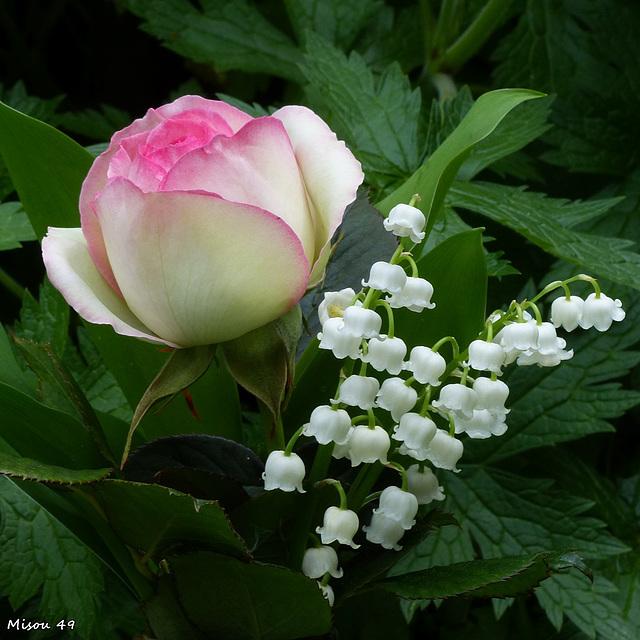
[
  {"x": 415, "y": 295},
  {"x": 486, "y": 356},
  {"x": 386, "y": 354},
  {"x": 482, "y": 424},
  {"x": 340, "y": 343},
  {"x": 317, "y": 561},
  {"x": 399, "y": 505},
  {"x": 334, "y": 304},
  {"x": 395, "y": 396},
  {"x": 415, "y": 431},
  {"x": 424, "y": 484},
  {"x": 405, "y": 220},
  {"x": 342, "y": 450},
  {"x": 339, "y": 525},
  {"x": 519, "y": 336},
  {"x": 361, "y": 323},
  {"x": 368, "y": 445},
  {"x": 456, "y": 398},
  {"x": 386, "y": 277},
  {"x": 426, "y": 365},
  {"x": 567, "y": 312},
  {"x": 284, "y": 472},
  {"x": 328, "y": 424},
  {"x": 491, "y": 395},
  {"x": 553, "y": 359},
  {"x": 600, "y": 312},
  {"x": 548, "y": 340},
  {"x": 358, "y": 391},
  {"x": 384, "y": 531},
  {"x": 445, "y": 451}
]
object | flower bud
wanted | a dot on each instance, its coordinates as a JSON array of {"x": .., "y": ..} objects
[
  {"x": 284, "y": 472},
  {"x": 339, "y": 525},
  {"x": 319, "y": 560}
]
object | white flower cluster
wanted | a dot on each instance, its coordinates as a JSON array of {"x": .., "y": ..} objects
[{"x": 430, "y": 400}]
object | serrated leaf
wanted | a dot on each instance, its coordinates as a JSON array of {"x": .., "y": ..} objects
[
  {"x": 40, "y": 552},
  {"x": 27, "y": 469},
  {"x": 15, "y": 227},
  {"x": 378, "y": 117},
  {"x": 229, "y": 34},
  {"x": 154, "y": 518},
  {"x": 337, "y": 21},
  {"x": 488, "y": 578},
  {"x": 254, "y": 601},
  {"x": 531, "y": 215}
]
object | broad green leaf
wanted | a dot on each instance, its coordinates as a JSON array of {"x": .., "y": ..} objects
[
  {"x": 434, "y": 178},
  {"x": 488, "y": 578},
  {"x": 557, "y": 404},
  {"x": 15, "y": 227},
  {"x": 155, "y": 518},
  {"x": 457, "y": 270},
  {"x": 248, "y": 601},
  {"x": 378, "y": 117},
  {"x": 11, "y": 373},
  {"x": 46, "y": 167},
  {"x": 27, "y": 469},
  {"x": 228, "y": 34},
  {"x": 532, "y": 215},
  {"x": 94, "y": 124},
  {"x": 337, "y": 21},
  {"x": 44, "y": 434},
  {"x": 39, "y": 552}
]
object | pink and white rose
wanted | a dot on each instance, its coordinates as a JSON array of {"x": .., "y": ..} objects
[{"x": 201, "y": 223}]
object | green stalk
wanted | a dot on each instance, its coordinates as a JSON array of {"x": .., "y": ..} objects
[
  {"x": 11, "y": 285},
  {"x": 474, "y": 37}
]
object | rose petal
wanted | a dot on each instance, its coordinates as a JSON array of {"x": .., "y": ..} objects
[
  {"x": 330, "y": 172},
  {"x": 72, "y": 272},
  {"x": 255, "y": 167},
  {"x": 132, "y": 136},
  {"x": 195, "y": 268}
]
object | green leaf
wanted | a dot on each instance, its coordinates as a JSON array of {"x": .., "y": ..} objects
[
  {"x": 434, "y": 178},
  {"x": 532, "y": 215},
  {"x": 457, "y": 270},
  {"x": 378, "y": 117},
  {"x": 15, "y": 227},
  {"x": 46, "y": 167},
  {"x": 489, "y": 578},
  {"x": 11, "y": 373},
  {"x": 27, "y": 469},
  {"x": 154, "y": 518},
  {"x": 181, "y": 370},
  {"x": 229, "y": 34},
  {"x": 337, "y": 21},
  {"x": 247, "y": 600},
  {"x": 39, "y": 552},
  {"x": 44, "y": 434}
]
